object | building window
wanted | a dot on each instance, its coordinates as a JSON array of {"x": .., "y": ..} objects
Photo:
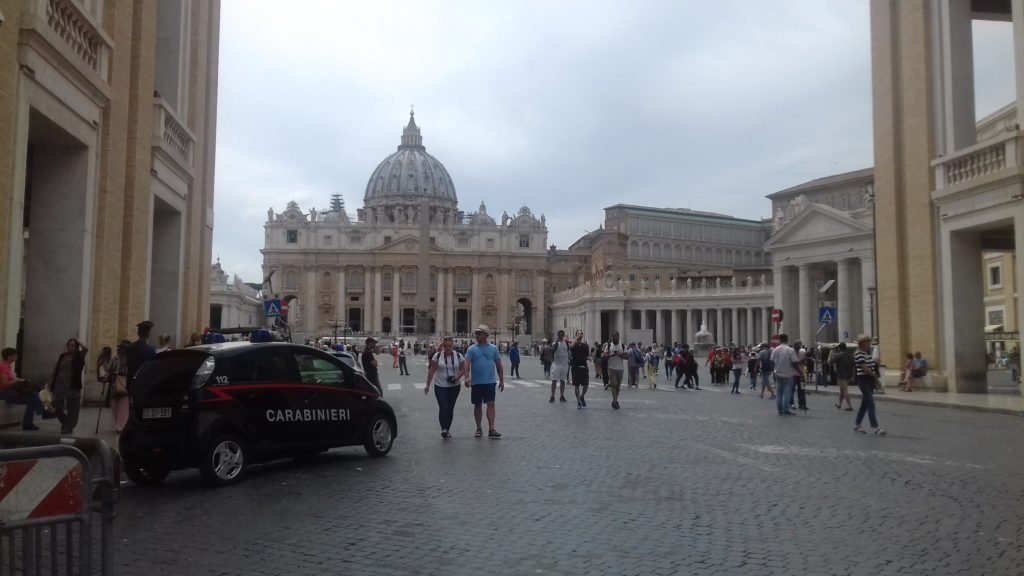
[
  {"x": 524, "y": 240},
  {"x": 490, "y": 243},
  {"x": 292, "y": 236},
  {"x": 354, "y": 280},
  {"x": 387, "y": 239},
  {"x": 524, "y": 284},
  {"x": 408, "y": 281},
  {"x": 995, "y": 316},
  {"x": 328, "y": 240},
  {"x": 632, "y": 277},
  {"x": 291, "y": 280},
  {"x": 995, "y": 279},
  {"x": 433, "y": 241},
  {"x": 462, "y": 242},
  {"x": 356, "y": 239}
]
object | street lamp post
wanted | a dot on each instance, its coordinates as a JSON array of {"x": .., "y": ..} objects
[{"x": 343, "y": 326}]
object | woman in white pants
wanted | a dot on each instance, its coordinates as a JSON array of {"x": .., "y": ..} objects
[{"x": 559, "y": 366}]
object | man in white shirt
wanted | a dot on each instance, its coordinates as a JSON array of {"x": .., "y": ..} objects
[
  {"x": 787, "y": 365},
  {"x": 615, "y": 354}
]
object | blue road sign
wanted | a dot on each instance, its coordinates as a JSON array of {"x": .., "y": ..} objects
[
  {"x": 272, "y": 307},
  {"x": 826, "y": 314}
]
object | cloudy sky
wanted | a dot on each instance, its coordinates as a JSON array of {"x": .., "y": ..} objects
[{"x": 566, "y": 107}]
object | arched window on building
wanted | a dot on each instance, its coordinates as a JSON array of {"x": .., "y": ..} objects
[
  {"x": 645, "y": 250},
  {"x": 656, "y": 250},
  {"x": 291, "y": 280},
  {"x": 634, "y": 249}
]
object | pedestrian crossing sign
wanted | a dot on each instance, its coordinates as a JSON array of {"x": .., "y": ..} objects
[
  {"x": 826, "y": 315},
  {"x": 272, "y": 308}
]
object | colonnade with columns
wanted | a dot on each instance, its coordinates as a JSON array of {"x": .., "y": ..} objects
[
  {"x": 803, "y": 287},
  {"x": 483, "y": 296},
  {"x": 741, "y": 325}
]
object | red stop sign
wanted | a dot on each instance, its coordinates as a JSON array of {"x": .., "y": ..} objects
[
  {"x": 775, "y": 340},
  {"x": 776, "y": 315}
]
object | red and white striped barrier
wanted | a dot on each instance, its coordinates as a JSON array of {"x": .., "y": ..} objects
[{"x": 41, "y": 488}]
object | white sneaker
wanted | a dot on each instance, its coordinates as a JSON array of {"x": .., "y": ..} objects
[
  {"x": 880, "y": 431},
  {"x": 859, "y": 430}
]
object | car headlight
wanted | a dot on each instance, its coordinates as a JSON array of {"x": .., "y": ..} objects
[{"x": 203, "y": 373}]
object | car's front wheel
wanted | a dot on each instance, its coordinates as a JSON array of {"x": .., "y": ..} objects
[
  {"x": 380, "y": 435},
  {"x": 145, "y": 474},
  {"x": 225, "y": 460}
]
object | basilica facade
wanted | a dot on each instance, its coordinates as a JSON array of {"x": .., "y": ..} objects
[{"x": 411, "y": 262}]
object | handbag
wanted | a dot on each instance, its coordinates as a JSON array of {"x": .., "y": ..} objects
[
  {"x": 46, "y": 397},
  {"x": 120, "y": 385}
]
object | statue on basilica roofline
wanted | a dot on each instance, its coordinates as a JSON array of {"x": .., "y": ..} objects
[
  {"x": 270, "y": 214},
  {"x": 504, "y": 218}
]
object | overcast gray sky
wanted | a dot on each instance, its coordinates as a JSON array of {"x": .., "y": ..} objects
[{"x": 566, "y": 107}]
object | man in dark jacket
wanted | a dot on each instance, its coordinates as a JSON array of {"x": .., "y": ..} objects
[{"x": 140, "y": 350}]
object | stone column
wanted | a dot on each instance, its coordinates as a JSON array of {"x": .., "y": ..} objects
[
  {"x": 439, "y": 302},
  {"x": 1017, "y": 13},
  {"x": 720, "y": 326},
  {"x": 340, "y": 311},
  {"x": 378, "y": 301},
  {"x": 778, "y": 285},
  {"x": 869, "y": 295},
  {"x": 963, "y": 292},
  {"x": 954, "y": 67},
  {"x": 735, "y": 325},
  {"x": 844, "y": 307},
  {"x": 670, "y": 324},
  {"x": 449, "y": 314},
  {"x": 688, "y": 330},
  {"x": 312, "y": 321},
  {"x": 620, "y": 324},
  {"x": 475, "y": 314},
  {"x": 806, "y": 318},
  {"x": 705, "y": 320},
  {"x": 749, "y": 337},
  {"x": 396, "y": 297},
  {"x": 366, "y": 299}
]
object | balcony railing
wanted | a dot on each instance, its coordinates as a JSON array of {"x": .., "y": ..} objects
[
  {"x": 171, "y": 135},
  {"x": 71, "y": 31},
  {"x": 978, "y": 161}
]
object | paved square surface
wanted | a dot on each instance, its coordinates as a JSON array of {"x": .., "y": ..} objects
[{"x": 676, "y": 482}]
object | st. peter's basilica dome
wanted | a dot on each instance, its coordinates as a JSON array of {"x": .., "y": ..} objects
[{"x": 409, "y": 175}]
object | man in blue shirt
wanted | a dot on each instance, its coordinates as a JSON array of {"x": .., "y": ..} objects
[
  {"x": 485, "y": 371},
  {"x": 513, "y": 358}
]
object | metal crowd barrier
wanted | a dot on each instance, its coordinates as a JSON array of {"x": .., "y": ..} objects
[{"x": 55, "y": 494}]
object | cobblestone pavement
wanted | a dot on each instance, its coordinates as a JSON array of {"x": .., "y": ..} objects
[{"x": 676, "y": 482}]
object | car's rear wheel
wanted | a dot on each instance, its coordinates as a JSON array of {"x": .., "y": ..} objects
[
  {"x": 225, "y": 461},
  {"x": 380, "y": 435},
  {"x": 145, "y": 474}
]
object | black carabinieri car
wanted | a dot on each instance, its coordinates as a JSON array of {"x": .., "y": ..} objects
[{"x": 222, "y": 407}]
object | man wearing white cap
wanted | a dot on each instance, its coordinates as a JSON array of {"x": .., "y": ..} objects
[{"x": 485, "y": 372}]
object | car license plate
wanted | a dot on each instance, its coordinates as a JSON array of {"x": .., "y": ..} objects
[{"x": 153, "y": 413}]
